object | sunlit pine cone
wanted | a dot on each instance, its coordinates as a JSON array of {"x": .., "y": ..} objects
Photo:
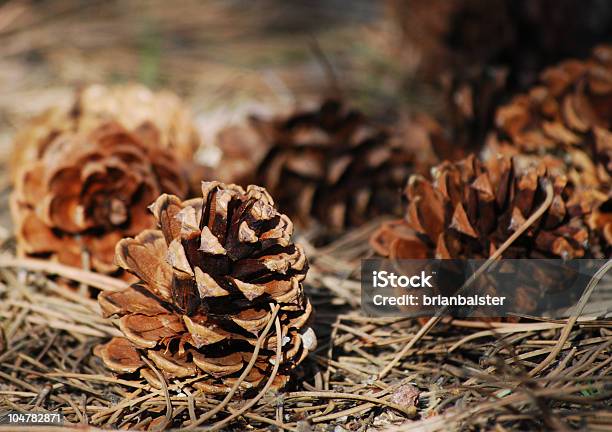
[
  {"x": 209, "y": 275},
  {"x": 134, "y": 106},
  {"x": 469, "y": 210},
  {"x": 88, "y": 191}
]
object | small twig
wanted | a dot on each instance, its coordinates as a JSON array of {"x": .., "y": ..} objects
[
  {"x": 96, "y": 280},
  {"x": 516, "y": 328},
  {"x": 572, "y": 320},
  {"x": 347, "y": 412},
  {"x": 164, "y": 389},
  {"x": 338, "y": 395}
]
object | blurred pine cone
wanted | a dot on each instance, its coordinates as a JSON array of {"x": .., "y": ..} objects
[
  {"x": 89, "y": 190},
  {"x": 568, "y": 115},
  {"x": 209, "y": 275},
  {"x": 470, "y": 209},
  {"x": 449, "y": 42},
  {"x": 328, "y": 164},
  {"x": 134, "y": 106},
  {"x": 566, "y": 120}
]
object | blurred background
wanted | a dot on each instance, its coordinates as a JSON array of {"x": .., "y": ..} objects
[{"x": 451, "y": 58}]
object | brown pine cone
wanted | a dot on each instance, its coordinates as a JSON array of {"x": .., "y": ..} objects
[
  {"x": 88, "y": 191},
  {"x": 470, "y": 209},
  {"x": 209, "y": 275},
  {"x": 134, "y": 106},
  {"x": 329, "y": 164},
  {"x": 568, "y": 115},
  {"x": 566, "y": 121}
]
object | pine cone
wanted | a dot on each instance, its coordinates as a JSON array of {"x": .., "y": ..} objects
[
  {"x": 330, "y": 164},
  {"x": 136, "y": 107},
  {"x": 87, "y": 191},
  {"x": 566, "y": 121},
  {"x": 569, "y": 116},
  {"x": 470, "y": 209},
  {"x": 208, "y": 277}
]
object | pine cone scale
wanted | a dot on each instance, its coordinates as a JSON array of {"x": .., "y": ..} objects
[
  {"x": 134, "y": 300},
  {"x": 120, "y": 355},
  {"x": 218, "y": 366},
  {"x": 144, "y": 255}
]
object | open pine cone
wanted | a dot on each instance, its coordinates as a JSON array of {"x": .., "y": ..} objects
[
  {"x": 134, "y": 106},
  {"x": 209, "y": 275},
  {"x": 88, "y": 191},
  {"x": 329, "y": 164},
  {"x": 568, "y": 115},
  {"x": 566, "y": 122},
  {"x": 469, "y": 210}
]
